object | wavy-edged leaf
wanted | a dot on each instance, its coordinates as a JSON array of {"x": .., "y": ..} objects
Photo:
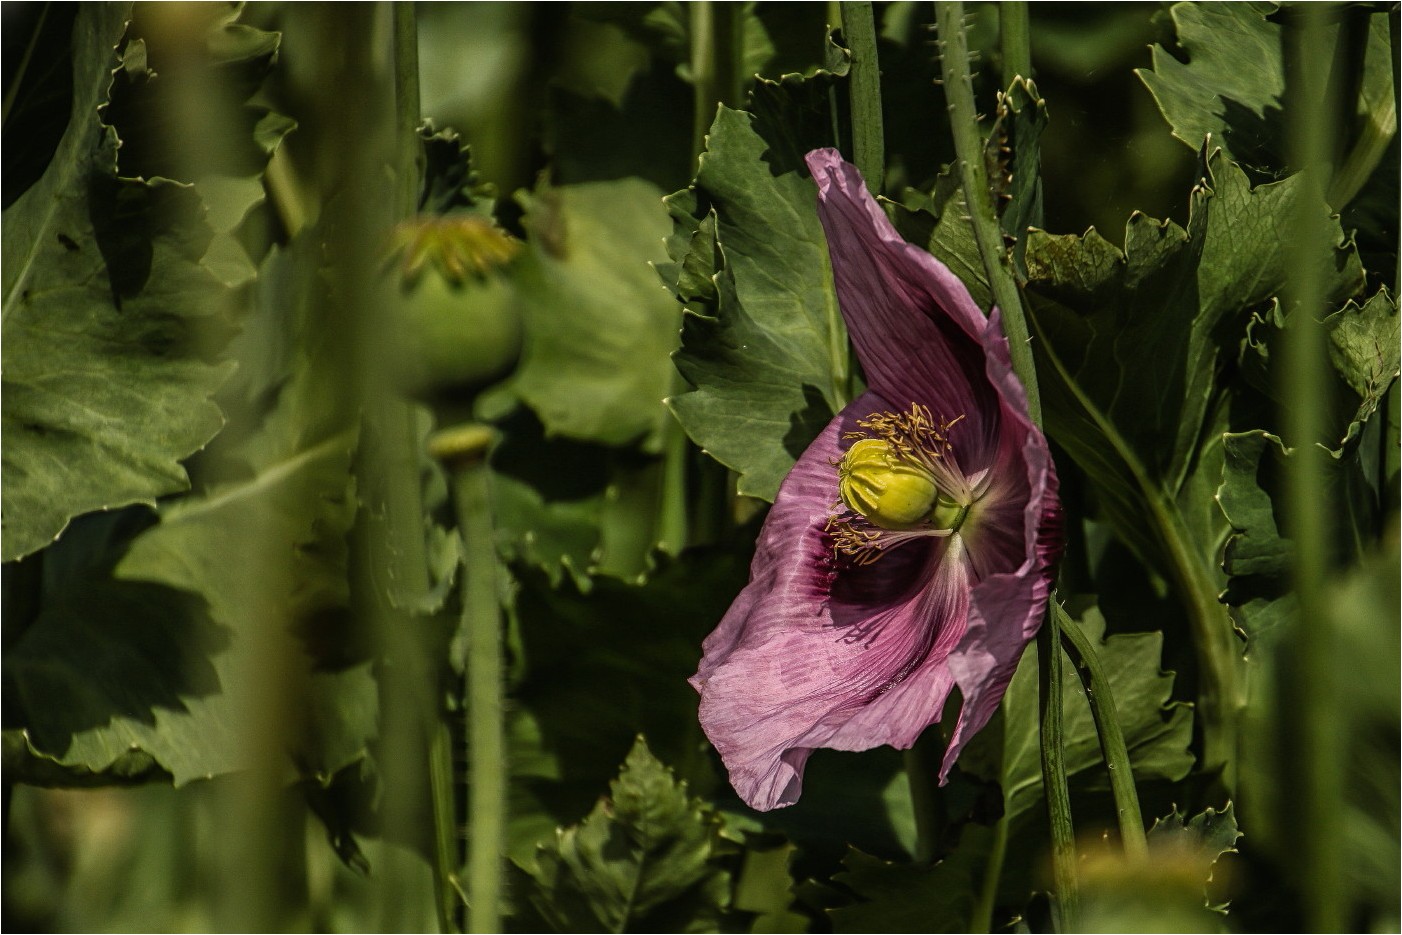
[
  {"x": 103, "y": 389},
  {"x": 905, "y": 897},
  {"x": 640, "y": 861},
  {"x": 599, "y": 327},
  {"x": 769, "y": 361},
  {"x": 1130, "y": 343}
]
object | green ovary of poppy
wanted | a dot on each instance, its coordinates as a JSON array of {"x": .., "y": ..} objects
[{"x": 892, "y": 491}]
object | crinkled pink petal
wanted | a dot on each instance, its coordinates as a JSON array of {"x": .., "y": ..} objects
[
  {"x": 795, "y": 666},
  {"x": 816, "y": 652},
  {"x": 917, "y": 331}
]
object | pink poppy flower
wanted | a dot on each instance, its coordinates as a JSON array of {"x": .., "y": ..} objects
[{"x": 910, "y": 548}]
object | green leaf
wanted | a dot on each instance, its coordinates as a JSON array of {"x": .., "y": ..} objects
[
  {"x": 1025, "y": 110},
  {"x": 577, "y": 509},
  {"x": 903, "y": 897},
  {"x": 1363, "y": 348},
  {"x": 1166, "y": 892},
  {"x": 1233, "y": 77},
  {"x": 1200, "y": 840},
  {"x": 1256, "y": 546},
  {"x": 94, "y": 304},
  {"x": 641, "y": 861},
  {"x": 769, "y": 364},
  {"x": 1158, "y": 731},
  {"x": 764, "y": 887},
  {"x": 641, "y": 641},
  {"x": 599, "y": 329},
  {"x": 1130, "y": 343},
  {"x": 1230, "y": 82},
  {"x": 940, "y": 223},
  {"x": 250, "y": 569},
  {"x": 450, "y": 179}
]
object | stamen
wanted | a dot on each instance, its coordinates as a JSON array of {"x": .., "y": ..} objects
[
  {"x": 916, "y": 438},
  {"x": 916, "y": 435}
]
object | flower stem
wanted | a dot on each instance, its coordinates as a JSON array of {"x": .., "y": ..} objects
[
  {"x": 868, "y": 132},
  {"x": 446, "y": 858},
  {"x": 1107, "y": 724},
  {"x": 922, "y": 763},
  {"x": 407, "y": 106},
  {"x": 981, "y": 920},
  {"x": 1311, "y": 114},
  {"x": 463, "y": 451},
  {"x": 1063, "y": 835},
  {"x": 717, "y": 62},
  {"x": 983, "y": 217},
  {"x": 1014, "y": 40}
]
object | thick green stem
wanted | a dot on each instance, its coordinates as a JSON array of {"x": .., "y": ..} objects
[
  {"x": 1014, "y": 40},
  {"x": 1063, "y": 835},
  {"x": 1107, "y": 724},
  {"x": 463, "y": 450},
  {"x": 983, "y": 217},
  {"x": 407, "y": 107},
  {"x": 717, "y": 62},
  {"x": 446, "y": 856},
  {"x": 868, "y": 133},
  {"x": 922, "y": 765},
  {"x": 981, "y": 920},
  {"x": 1320, "y": 748},
  {"x": 441, "y": 776}
]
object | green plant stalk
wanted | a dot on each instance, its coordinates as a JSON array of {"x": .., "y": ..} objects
[
  {"x": 981, "y": 919},
  {"x": 983, "y": 218},
  {"x": 486, "y": 710},
  {"x": 1112, "y": 739},
  {"x": 997, "y": 262},
  {"x": 717, "y": 63},
  {"x": 410, "y": 163},
  {"x": 1219, "y": 694},
  {"x": 1321, "y": 733},
  {"x": 868, "y": 132},
  {"x": 407, "y": 106},
  {"x": 446, "y": 855},
  {"x": 1014, "y": 40},
  {"x": 13, "y": 90},
  {"x": 1065, "y": 899},
  {"x": 922, "y": 764}
]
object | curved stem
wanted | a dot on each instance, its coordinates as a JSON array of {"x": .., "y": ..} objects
[
  {"x": 983, "y": 218},
  {"x": 13, "y": 90},
  {"x": 1063, "y": 834},
  {"x": 717, "y": 61},
  {"x": 1112, "y": 739}
]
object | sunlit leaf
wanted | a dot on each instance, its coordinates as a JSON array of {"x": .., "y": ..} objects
[
  {"x": 770, "y": 364},
  {"x": 641, "y": 860},
  {"x": 104, "y": 390}
]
